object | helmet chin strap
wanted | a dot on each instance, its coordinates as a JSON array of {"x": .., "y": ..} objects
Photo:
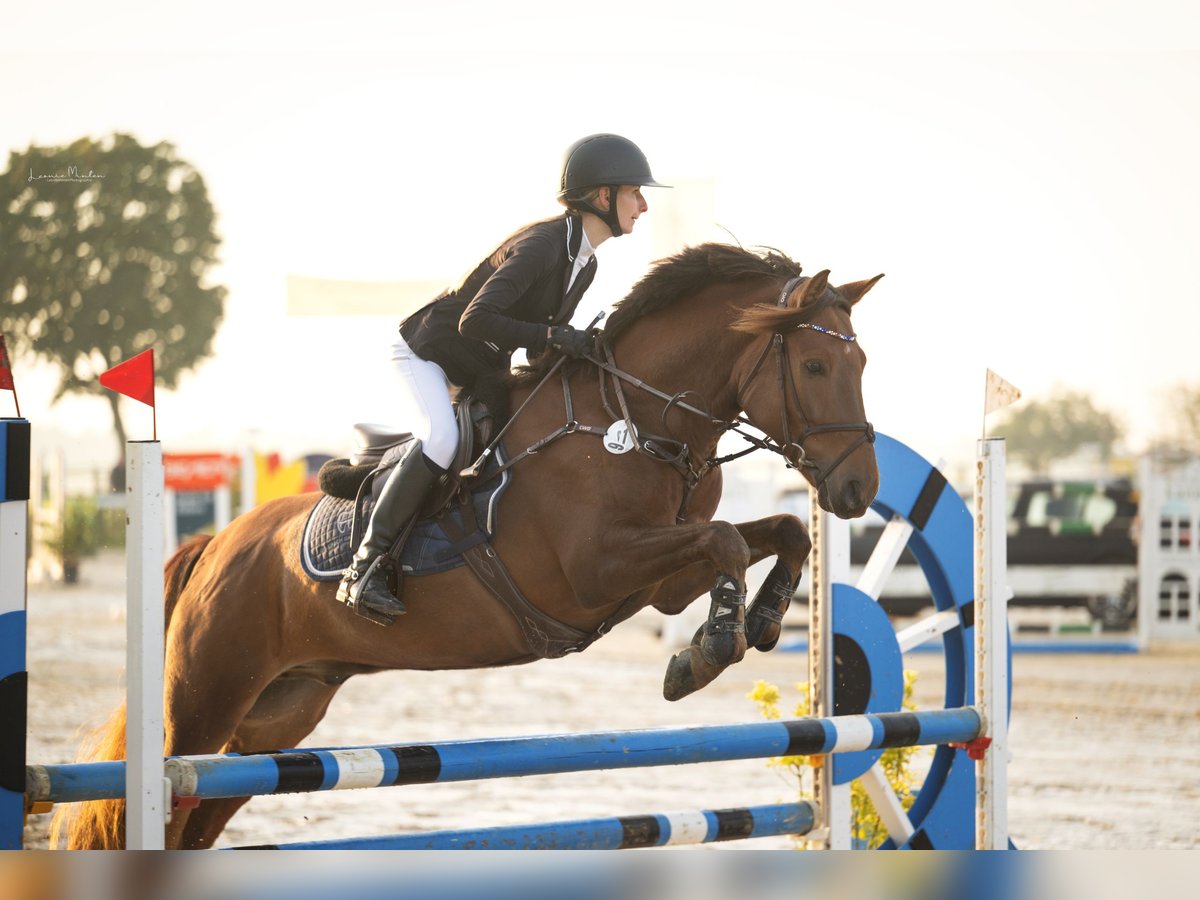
[{"x": 609, "y": 217}]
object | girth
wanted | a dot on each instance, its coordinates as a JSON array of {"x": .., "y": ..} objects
[{"x": 547, "y": 637}]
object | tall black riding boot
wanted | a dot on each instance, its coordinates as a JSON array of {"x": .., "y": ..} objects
[{"x": 365, "y": 583}]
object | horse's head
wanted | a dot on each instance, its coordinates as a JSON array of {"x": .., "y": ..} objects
[{"x": 803, "y": 388}]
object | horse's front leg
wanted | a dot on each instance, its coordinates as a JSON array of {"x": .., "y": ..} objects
[
  {"x": 688, "y": 560},
  {"x": 638, "y": 558},
  {"x": 782, "y": 536}
]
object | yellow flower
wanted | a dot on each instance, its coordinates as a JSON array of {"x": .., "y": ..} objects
[
  {"x": 867, "y": 827},
  {"x": 766, "y": 697}
]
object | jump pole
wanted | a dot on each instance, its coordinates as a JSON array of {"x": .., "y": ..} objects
[
  {"x": 147, "y": 792},
  {"x": 397, "y": 765},
  {"x": 14, "y": 702}
]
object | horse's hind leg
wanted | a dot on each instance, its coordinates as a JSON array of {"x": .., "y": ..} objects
[
  {"x": 283, "y": 716},
  {"x": 217, "y": 668}
]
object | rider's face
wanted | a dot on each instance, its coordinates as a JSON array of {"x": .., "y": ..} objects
[{"x": 630, "y": 205}]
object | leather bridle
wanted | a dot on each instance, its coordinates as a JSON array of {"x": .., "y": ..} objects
[{"x": 786, "y": 383}]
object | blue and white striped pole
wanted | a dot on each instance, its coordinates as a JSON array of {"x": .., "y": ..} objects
[
  {"x": 302, "y": 771},
  {"x": 614, "y": 833},
  {"x": 14, "y": 511}
]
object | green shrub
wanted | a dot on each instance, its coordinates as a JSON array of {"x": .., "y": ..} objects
[{"x": 84, "y": 530}]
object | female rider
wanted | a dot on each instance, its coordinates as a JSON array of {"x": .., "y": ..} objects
[{"x": 522, "y": 295}]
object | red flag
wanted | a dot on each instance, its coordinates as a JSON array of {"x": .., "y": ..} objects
[
  {"x": 133, "y": 378},
  {"x": 6, "y": 376},
  {"x": 6, "y": 382}
]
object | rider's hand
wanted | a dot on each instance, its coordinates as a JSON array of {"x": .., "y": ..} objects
[{"x": 571, "y": 341}]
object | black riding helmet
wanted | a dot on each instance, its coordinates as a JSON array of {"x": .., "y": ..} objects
[{"x": 602, "y": 160}]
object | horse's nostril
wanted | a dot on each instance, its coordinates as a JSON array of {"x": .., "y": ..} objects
[{"x": 854, "y": 493}]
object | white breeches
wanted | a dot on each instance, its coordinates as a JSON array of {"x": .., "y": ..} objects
[{"x": 425, "y": 403}]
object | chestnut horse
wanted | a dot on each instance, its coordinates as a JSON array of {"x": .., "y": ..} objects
[{"x": 713, "y": 339}]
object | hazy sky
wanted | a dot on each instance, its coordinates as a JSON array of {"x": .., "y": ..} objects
[{"x": 1025, "y": 173}]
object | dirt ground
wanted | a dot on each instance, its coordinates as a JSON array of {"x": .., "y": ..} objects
[{"x": 1105, "y": 748}]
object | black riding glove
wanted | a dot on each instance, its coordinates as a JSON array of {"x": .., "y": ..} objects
[{"x": 570, "y": 341}]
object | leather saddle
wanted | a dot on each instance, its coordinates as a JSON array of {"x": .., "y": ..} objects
[{"x": 379, "y": 447}]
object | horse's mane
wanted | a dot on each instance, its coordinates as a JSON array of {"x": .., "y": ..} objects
[
  {"x": 678, "y": 276},
  {"x": 693, "y": 269}
]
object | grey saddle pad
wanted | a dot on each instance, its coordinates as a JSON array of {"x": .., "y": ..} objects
[{"x": 325, "y": 546}]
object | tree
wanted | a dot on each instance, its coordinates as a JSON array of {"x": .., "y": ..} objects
[
  {"x": 104, "y": 253},
  {"x": 1184, "y": 405},
  {"x": 1065, "y": 422}
]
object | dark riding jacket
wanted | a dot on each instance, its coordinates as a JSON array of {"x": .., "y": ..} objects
[{"x": 506, "y": 302}]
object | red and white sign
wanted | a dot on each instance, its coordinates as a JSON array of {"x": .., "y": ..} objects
[{"x": 197, "y": 471}]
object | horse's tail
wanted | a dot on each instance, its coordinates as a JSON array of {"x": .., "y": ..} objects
[{"x": 100, "y": 824}]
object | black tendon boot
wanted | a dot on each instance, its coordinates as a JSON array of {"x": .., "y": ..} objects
[{"x": 365, "y": 586}]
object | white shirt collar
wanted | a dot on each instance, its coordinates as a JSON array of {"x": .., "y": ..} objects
[
  {"x": 582, "y": 258},
  {"x": 585, "y": 248}
]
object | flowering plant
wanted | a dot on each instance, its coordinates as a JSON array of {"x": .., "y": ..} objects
[{"x": 866, "y": 827}]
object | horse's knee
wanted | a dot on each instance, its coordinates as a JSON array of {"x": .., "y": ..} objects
[
  {"x": 792, "y": 541},
  {"x": 728, "y": 550}
]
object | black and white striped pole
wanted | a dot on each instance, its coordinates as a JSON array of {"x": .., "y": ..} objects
[{"x": 14, "y": 511}]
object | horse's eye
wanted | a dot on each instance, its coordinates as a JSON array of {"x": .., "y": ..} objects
[{"x": 815, "y": 367}]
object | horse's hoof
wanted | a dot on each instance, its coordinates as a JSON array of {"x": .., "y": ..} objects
[
  {"x": 679, "y": 680},
  {"x": 723, "y": 648},
  {"x": 767, "y": 646},
  {"x": 763, "y": 628}
]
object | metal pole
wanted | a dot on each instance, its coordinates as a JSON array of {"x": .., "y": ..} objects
[
  {"x": 145, "y": 815},
  {"x": 991, "y": 645}
]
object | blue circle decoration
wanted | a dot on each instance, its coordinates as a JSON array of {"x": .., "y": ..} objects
[{"x": 872, "y": 671}]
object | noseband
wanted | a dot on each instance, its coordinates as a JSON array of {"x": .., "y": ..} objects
[{"x": 787, "y": 384}]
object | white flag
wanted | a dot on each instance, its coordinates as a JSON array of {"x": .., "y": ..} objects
[{"x": 998, "y": 394}]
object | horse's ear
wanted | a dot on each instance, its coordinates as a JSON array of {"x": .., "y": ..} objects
[
  {"x": 814, "y": 288},
  {"x": 853, "y": 292}
]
